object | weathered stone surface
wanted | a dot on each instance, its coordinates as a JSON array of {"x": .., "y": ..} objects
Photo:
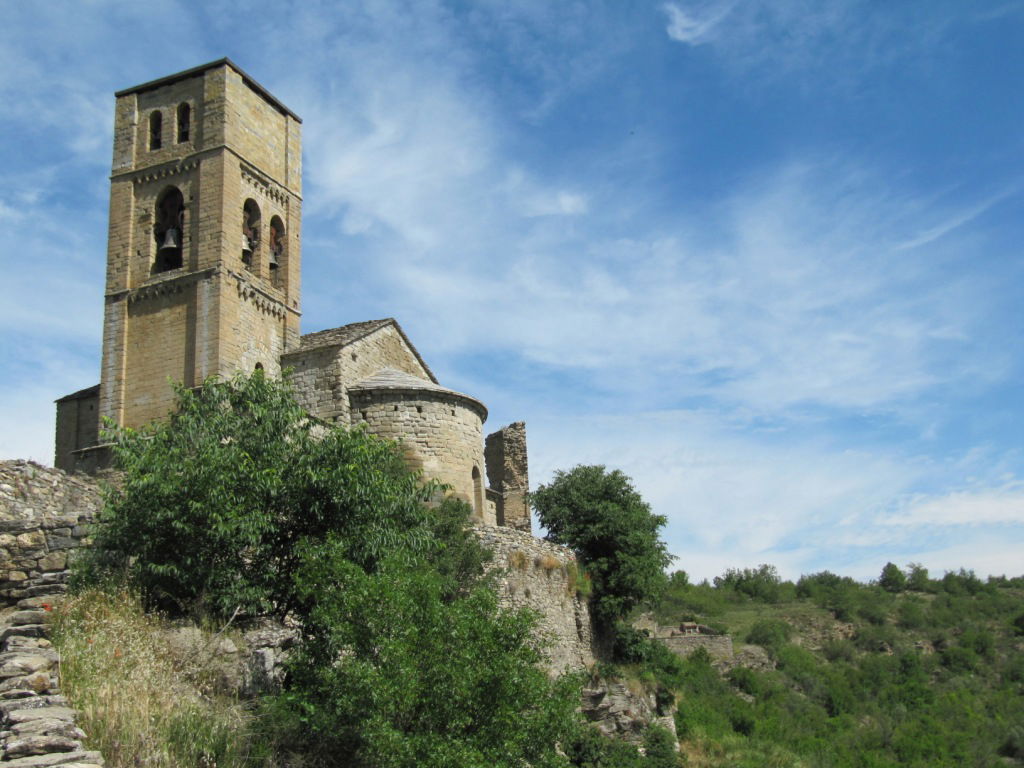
[
  {"x": 39, "y": 745},
  {"x": 622, "y": 712},
  {"x": 70, "y": 759},
  {"x": 40, "y": 510},
  {"x": 536, "y": 574},
  {"x": 50, "y": 713}
]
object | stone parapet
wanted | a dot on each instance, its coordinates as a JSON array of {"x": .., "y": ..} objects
[{"x": 44, "y": 517}]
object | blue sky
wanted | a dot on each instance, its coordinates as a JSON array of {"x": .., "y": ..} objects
[{"x": 763, "y": 256}]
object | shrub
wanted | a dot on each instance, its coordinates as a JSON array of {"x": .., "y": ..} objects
[
  {"x": 578, "y": 582},
  {"x": 1018, "y": 624},
  {"x": 390, "y": 673},
  {"x": 959, "y": 659},
  {"x": 770, "y": 634}
]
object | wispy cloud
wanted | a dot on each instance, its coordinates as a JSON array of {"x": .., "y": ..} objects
[
  {"x": 979, "y": 507},
  {"x": 697, "y": 26}
]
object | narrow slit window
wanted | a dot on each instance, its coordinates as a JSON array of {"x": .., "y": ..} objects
[
  {"x": 156, "y": 130},
  {"x": 184, "y": 122}
]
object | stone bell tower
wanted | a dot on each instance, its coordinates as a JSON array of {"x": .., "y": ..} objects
[{"x": 203, "y": 257}]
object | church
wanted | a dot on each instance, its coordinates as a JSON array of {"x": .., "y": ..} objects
[{"x": 203, "y": 278}]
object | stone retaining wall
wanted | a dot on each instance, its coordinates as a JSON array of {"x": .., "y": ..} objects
[
  {"x": 536, "y": 574},
  {"x": 719, "y": 647},
  {"x": 44, "y": 514}
]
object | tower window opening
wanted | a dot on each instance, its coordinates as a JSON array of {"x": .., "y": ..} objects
[
  {"x": 184, "y": 120},
  {"x": 277, "y": 242},
  {"x": 170, "y": 224},
  {"x": 259, "y": 367},
  {"x": 478, "y": 493},
  {"x": 156, "y": 130},
  {"x": 250, "y": 231}
]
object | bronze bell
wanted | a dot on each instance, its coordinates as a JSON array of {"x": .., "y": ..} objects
[
  {"x": 246, "y": 248},
  {"x": 172, "y": 240},
  {"x": 274, "y": 262}
]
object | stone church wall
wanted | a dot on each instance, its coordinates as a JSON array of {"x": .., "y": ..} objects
[{"x": 438, "y": 433}]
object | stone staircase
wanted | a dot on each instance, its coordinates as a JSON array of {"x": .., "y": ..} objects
[{"x": 37, "y": 728}]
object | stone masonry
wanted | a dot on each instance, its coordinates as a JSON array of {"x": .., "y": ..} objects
[{"x": 44, "y": 515}]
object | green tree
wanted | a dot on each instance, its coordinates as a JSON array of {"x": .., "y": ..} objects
[
  {"x": 216, "y": 499},
  {"x": 892, "y": 578},
  {"x": 917, "y": 578},
  {"x": 613, "y": 531},
  {"x": 393, "y": 673}
]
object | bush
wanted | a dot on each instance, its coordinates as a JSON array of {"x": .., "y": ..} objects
[
  {"x": 770, "y": 634},
  {"x": 215, "y": 500},
  {"x": 392, "y": 674},
  {"x": 613, "y": 531}
]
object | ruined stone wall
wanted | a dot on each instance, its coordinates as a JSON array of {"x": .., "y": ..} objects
[
  {"x": 536, "y": 574},
  {"x": 508, "y": 474},
  {"x": 439, "y": 433},
  {"x": 43, "y": 517},
  {"x": 719, "y": 647}
]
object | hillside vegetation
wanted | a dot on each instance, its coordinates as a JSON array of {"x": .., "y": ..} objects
[{"x": 907, "y": 671}]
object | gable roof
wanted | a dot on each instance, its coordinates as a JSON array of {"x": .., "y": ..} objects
[
  {"x": 348, "y": 334},
  {"x": 81, "y": 394}
]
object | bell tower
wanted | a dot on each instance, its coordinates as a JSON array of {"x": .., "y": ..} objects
[{"x": 203, "y": 257}]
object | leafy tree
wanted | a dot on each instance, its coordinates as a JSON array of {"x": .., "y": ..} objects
[
  {"x": 394, "y": 673},
  {"x": 612, "y": 529},
  {"x": 892, "y": 578},
  {"x": 216, "y": 499},
  {"x": 917, "y": 578}
]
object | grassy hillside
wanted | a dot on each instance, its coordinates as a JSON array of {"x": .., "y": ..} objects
[{"x": 918, "y": 672}]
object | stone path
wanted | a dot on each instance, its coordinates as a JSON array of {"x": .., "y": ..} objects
[{"x": 37, "y": 728}]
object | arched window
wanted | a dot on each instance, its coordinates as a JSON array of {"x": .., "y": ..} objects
[
  {"x": 168, "y": 229},
  {"x": 184, "y": 120},
  {"x": 259, "y": 367},
  {"x": 156, "y": 129},
  {"x": 478, "y": 493},
  {"x": 277, "y": 242},
  {"x": 250, "y": 231}
]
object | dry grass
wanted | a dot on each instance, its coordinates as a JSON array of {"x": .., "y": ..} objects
[
  {"x": 517, "y": 559},
  {"x": 139, "y": 705},
  {"x": 547, "y": 562}
]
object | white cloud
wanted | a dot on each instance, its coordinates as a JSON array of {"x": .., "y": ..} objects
[
  {"x": 834, "y": 44},
  {"x": 693, "y": 28},
  {"x": 989, "y": 506}
]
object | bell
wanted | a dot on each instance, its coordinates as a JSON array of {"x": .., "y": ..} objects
[
  {"x": 274, "y": 262},
  {"x": 172, "y": 240},
  {"x": 246, "y": 247}
]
